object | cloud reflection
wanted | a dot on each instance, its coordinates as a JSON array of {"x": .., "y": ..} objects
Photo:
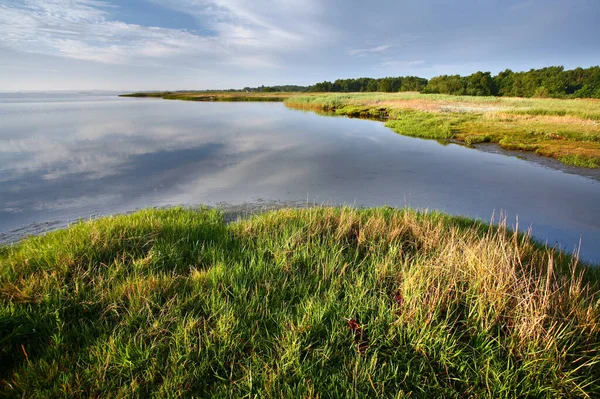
[{"x": 68, "y": 160}]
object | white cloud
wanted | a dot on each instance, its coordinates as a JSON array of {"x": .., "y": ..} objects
[
  {"x": 237, "y": 43},
  {"x": 281, "y": 24},
  {"x": 365, "y": 51},
  {"x": 81, "y": 29},
  {"x": 401, "y": 64},
  {"x": 245, "y": 34}
]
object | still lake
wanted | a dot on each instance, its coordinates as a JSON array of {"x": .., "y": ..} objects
[{"x": 67, "y": 156}]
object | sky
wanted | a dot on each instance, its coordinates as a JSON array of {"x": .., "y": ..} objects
[{"x": 128, "y": 45}]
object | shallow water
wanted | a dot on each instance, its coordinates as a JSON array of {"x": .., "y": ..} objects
[{"x": 63, "y": 157}]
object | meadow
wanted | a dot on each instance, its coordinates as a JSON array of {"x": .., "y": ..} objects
[{"x": 317, "y": 302}]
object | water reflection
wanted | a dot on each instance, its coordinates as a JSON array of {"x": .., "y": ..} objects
[{"x": 68, "y": 159}]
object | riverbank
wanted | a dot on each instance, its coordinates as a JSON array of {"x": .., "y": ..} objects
[
  {"x": 317, "y": 302},
  {"x": 566, "y": 130}
]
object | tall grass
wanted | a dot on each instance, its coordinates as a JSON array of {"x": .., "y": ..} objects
[{"x": 321, "y": 302}]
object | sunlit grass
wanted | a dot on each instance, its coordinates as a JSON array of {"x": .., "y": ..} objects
[
  {"x": 322, "y": 302},
  {"x": 567, "y": 130},
  {"x": 581, "y": 160}
]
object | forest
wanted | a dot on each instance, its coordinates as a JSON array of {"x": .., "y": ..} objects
[{"x": 555, "y": 82}]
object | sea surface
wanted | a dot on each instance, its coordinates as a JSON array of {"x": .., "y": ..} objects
[{"x": 65, "y": 156}]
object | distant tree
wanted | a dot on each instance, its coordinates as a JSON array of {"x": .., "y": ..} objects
[
  {"x": 322, "y": 87},
  {"x": 554, "y": 81},
  {"x": 530, "y": 82},
  {"x": 384, "y": 85},
  {"x": 481, "y": 84},
  {"x": 590, "y": 83},
  {"x": 372, "y": 85},
  {"x": 504, "y": 82},
  {"x": 545, "y": 82},
  {"x": 446, "y": 84},
  {"x": 413, "y": 83},
  {"x": 575, "y": 79}
]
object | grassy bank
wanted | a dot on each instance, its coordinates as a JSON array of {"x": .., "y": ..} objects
[
  {"x": 567, "y": 130},
  {"x": 213, "y": 96},
  {"x": 296, "y": 303}
]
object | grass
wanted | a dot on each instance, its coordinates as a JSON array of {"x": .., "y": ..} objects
[
  {"x": 567, "y": 130},
  {"x": 425, "y": 124},
  {"x": 321, "y": 302},
  {"x": 581, "y": 160}
]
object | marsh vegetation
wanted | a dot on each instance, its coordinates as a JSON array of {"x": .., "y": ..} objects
[
  {"x": 567, "y": 130},
  {"x": 321, "y": 302}
]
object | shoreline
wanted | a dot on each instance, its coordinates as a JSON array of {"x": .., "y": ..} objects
[
  {"x": 231, "y": 212},
  {"x": 567, "y": 131},
  {"x": 238, "y": 212}
]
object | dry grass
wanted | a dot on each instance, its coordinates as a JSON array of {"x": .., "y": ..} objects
[{"x": 321, "y": 302}]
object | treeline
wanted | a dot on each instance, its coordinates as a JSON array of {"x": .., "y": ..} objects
[
  {"x": 274, "y": 89},
  {"x": 388, "y": 85},
  {"x": 546, "y": 82}
]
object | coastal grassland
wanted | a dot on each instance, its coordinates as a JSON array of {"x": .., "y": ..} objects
[
  {"x": 320, "y": 302},
  {"x": 567, "y": 130},
  {"x": 214, "y": 96}
]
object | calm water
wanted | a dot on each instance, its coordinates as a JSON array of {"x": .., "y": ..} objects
[{"x": 65, "y": 157}]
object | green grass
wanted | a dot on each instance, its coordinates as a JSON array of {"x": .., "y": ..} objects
[
  {"x": 322, "y": 302},
  {"x": 567, "y": 130},
  {"x": 425, "y": 124},
  {"x": 583, "y": 161},
  {"x": 508, "y": 144},
  {"x": 584, "y": 108},
  {"x": 472, "y": 140}
]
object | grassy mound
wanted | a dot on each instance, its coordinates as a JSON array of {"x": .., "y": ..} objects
[{"x": 295, "y": 303}]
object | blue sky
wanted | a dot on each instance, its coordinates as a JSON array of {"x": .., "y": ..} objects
[{"x": 208, "y": 44}]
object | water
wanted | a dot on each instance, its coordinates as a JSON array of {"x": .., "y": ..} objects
[{"x": 63, "y": 157}]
